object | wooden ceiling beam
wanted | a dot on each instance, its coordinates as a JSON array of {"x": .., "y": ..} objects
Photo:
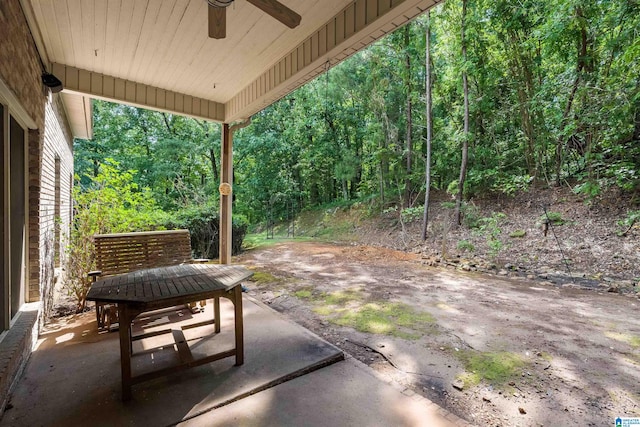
[{"x": 113, "y": 89}]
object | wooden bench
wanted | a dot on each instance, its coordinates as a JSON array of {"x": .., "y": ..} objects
[{"x": 126, "y": 252}]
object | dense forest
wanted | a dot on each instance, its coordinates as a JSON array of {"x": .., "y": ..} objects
[{"x": 519, "y": 94}]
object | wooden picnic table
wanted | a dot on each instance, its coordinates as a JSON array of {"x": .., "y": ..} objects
[{"x": 162, "y": 287}]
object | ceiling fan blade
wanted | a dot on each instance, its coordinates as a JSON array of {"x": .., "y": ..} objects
[
  {"x": 279, "y": 11},
  {"x": 217, "y": 22}
]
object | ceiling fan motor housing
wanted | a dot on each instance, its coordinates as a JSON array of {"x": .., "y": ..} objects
[{"x": 220, "y": 3}]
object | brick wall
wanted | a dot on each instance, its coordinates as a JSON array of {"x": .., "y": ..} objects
[
  {"x": 57, "y": 137},
  {"x": 20, "y": 70},
  {"x": 19, "y": 64}
]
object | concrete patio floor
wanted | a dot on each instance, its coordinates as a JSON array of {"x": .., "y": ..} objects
[{"x": 290, "y": 377}]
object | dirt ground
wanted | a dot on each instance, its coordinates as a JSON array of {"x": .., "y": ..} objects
[{"x": 545, "y": 354}]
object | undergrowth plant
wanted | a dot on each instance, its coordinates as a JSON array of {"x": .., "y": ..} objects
[
  {"x": 112, "y": 204},
  {"x": 490, "y": 229},
  {"x": 627, "y": 223},
  {"x": 555, "y": 218},
  {"x": 465, "y": 245}
]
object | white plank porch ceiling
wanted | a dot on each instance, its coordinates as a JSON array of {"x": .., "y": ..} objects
[{"x": 159, "y": 49}]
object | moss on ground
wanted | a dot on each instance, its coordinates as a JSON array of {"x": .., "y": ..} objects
[
  {"x": 518, "y": 233},
  {"x": 348, "y": 308},
  {"x": 262, "y": 277},
  {"x": 395, "y": 319},
  {"x": 342, "y": 297},
  {"x": 496, "y": 368},
  {"x": 305, "y": 293}
]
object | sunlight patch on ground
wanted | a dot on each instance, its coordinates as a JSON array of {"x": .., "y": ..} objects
[
  {"x": 326, "y": 256},
  {"x": 446, "y": 307},
  {"x": 566, "y": 370},
  {"x": 618, "y": 394},
  {"x": 64, "y": 338},
  {"x": 632, "y": 340}
]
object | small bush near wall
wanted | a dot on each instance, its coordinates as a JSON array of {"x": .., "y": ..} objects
[{"x": 112, "y": 204}]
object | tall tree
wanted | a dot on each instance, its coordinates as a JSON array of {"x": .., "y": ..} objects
[
  {"x": 429, "y": 117},
  {"x": 465, "y": 136},
  {"x": 409, "y": 140}
]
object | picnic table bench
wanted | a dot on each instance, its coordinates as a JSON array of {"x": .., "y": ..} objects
[
  {"x": 152, "y": 289},
  {"x": 121, "y": 253}
]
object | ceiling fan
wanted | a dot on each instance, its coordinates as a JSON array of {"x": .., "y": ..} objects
[{"x": 218, "y": 15}]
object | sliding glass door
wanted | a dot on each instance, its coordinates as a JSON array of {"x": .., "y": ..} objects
[{"x": 13, "y": 196}]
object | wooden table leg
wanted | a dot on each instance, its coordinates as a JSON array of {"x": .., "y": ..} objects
[
  {"x": 237, "y": 302},
  {"x": 216, "y": 313},
  {"x": 125, "y": 350}
]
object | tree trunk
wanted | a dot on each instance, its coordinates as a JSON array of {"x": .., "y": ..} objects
[
  {"x": 212, "y": 153},
  {"x": 580, "y": 66},
  {"x": 636, "y": 126},
  {"x": 382, "y": 167},
  {"x": 214, "y": 166},
  {"x": 409, "y": 147},
  {"x": 425, "y": 216},
  {"x": 465, "y": 142}
]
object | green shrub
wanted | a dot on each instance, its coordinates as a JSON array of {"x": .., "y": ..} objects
[
  {"x": 465, "y": 245},
  {"x": 590, "y": 189},
  {"x": 470, "y": 213},
  {"x": 203, "y": 223},
  {"x": 112, "y": 203},
  {"x": 513, "y": 183},
  {"x": 627, "y": 223},
  {"x": 554, "y": 218},
  {"x": 489, "y": 228},
  {"x": 412, "y": 214},
  {"x": 518, "y": 233}
]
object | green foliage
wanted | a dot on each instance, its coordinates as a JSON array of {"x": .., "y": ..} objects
[
  {"x": 471, "y": 217},
  {"x": 489, "y": 228},
  {"x": 590, "y": 189},
  {"x": 512, "y": 184},
  {"x": 518, "y": 234},
  {"x": 452, "y": 188},
  {"x": 465, "y": 245},
  {"x": 554, "y": 218},
  {"x": 631, "y": 220},
  {"x": 111, "y": 203},
  {"x": 202, "y": 221},
  {"x": 344, "y": 136},
  {"x": 177, "y": 157},
  {"x": 412, "y": 214}
]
